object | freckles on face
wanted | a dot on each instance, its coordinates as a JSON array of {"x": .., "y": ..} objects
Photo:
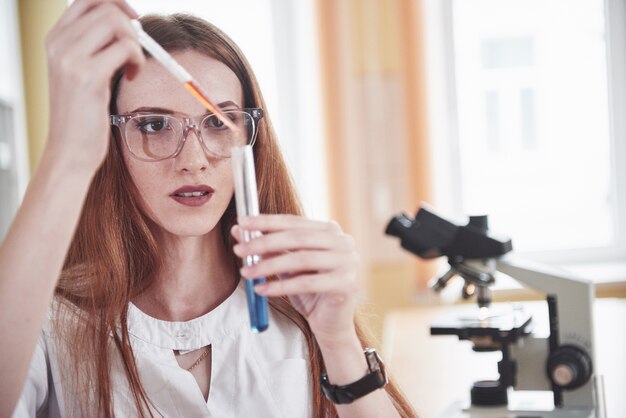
[{"x": 161, "y": 183}]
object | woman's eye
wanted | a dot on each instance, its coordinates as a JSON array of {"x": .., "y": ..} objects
[
  {"x": 153, "y": 125},
  {"x": 214, "y": 122}
]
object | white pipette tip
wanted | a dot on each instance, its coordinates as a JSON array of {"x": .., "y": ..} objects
[{"x": 137, "y": 25}]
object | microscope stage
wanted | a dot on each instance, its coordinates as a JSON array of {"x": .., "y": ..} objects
[{"x": 501, "y": 323}]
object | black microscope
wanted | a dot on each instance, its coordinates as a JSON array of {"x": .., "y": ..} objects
[{"x": 561, "y": 363}]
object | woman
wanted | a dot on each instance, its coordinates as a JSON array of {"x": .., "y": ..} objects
[{"x": 148, "y": 316}]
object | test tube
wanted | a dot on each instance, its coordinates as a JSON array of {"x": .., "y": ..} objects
[{"x": 247, "y": 200}]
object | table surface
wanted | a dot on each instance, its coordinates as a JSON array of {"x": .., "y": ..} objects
[{"x": 435, "y": 371}]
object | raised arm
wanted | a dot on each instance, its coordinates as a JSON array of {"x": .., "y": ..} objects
[{"x": 87, "y": 45}]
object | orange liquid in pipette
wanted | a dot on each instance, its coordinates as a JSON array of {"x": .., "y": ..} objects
[{"x": 195, "y": 90}]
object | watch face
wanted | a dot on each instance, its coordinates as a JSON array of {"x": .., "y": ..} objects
[{"x": 374, "y": 362}]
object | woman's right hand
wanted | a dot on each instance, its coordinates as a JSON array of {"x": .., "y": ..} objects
[{"x": 92, "y": 40}]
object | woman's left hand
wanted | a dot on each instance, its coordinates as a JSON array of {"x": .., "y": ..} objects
[{"x": 317, "y": 264}]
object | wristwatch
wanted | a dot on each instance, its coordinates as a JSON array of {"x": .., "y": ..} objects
[{"x": 375, "y": 379}]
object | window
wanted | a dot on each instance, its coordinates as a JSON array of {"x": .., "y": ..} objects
[
  {"x": 7, "y": 167},
  {"x": 532, "y": 86},
  {"x": 13, "y": 154}
]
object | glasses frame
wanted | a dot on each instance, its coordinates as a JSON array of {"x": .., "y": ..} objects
[{"x": 193, "y": 124}]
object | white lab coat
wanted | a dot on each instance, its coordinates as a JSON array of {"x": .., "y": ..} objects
[{"x": 252, "y": 375}]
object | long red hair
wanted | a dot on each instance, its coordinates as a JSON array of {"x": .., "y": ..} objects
[{"x": 114, "y": 256}]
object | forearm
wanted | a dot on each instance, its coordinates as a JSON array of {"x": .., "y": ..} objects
[
  {"x": 345, "y": 363},
  {"x": 31, "y": 258}
]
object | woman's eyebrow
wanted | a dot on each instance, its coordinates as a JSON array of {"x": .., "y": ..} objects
[
  {"x": 224, "y": 105},
  {"x": 145, "y": 109},
  {"x": 228, "y": 103},
  {"x": 150, "y": 109}
]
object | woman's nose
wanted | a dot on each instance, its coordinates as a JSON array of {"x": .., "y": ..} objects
[{"x": 192, "y": 156}]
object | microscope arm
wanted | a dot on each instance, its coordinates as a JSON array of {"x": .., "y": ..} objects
[{"x": 570, "y": 301}]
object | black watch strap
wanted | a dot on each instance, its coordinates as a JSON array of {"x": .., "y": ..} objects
[{"x": 375, "y": 379}]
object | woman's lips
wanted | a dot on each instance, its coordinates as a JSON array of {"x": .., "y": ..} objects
[{"x": 193, "y": 195}]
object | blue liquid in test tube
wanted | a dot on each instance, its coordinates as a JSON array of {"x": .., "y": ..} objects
[{"x": 247, "y": 200}]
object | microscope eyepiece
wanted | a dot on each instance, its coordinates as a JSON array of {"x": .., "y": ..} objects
[
  {"x": 430, "y": 236},
  {"x": 398, "y": 225}
]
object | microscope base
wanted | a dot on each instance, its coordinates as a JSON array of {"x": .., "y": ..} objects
[{"x": 460, "y": 410}]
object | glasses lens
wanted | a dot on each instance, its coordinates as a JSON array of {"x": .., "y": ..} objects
[
  {"x": 153, "y": 137},
  {"x": 219, "y": 138}
]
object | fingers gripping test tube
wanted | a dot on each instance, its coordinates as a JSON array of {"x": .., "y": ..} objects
[{"x": 247, "y": 200}]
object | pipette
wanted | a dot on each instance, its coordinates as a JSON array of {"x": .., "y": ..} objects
[
  {"x": 163, "y": 57},
  {"x": 247, "y": 201}
]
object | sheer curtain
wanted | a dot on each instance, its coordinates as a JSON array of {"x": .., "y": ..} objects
[{"x": 376, "y": 135}]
